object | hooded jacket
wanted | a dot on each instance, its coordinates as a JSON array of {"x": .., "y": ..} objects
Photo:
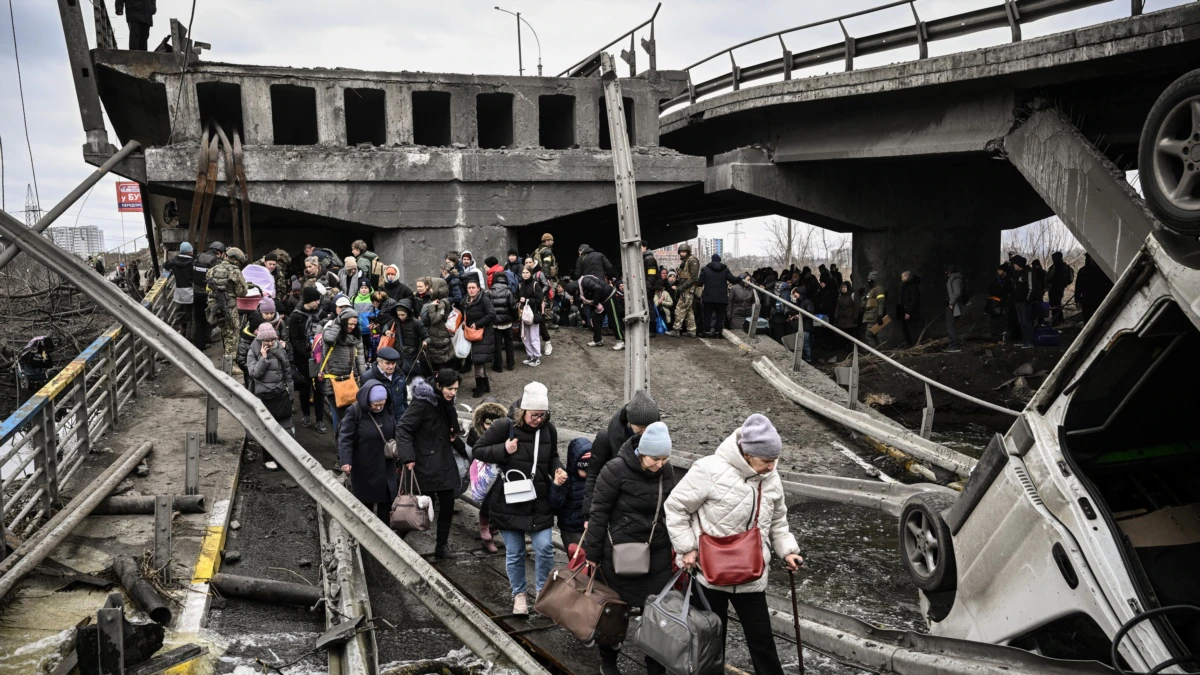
[
  {"x": 429, "y": 434},
  {"x": 434, "y": 315},
  {"x": 531, "y": 516},
  {"x": 592, "y": 262},
  {"x": 741, "y": 305},
  {"x": 396, "y": 385},
  {"x": 714, "y": 278},
  {"x": 570, "y": 512},
  {"x": 488, "y": 411},
  {"x": 847, "y": 312},
  {"x": 454, "y": 282},
  {"x": 270, "y": 376},
  {"x": 469, "y": 270},
  {"x": 395, "y": 289},
  {"x": 718, "y": 497},
  {"x": 624, "y": 506},
  {"x": 595, "y": 290},
  {"x": 360, "y": 444},
  {"x": 606, "y": 446},
  {"x": 347, "y": 351},
  {"x": 409, "y": 334}
]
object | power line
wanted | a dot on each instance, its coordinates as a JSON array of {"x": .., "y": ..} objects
[{"x": 21, "y": 90}]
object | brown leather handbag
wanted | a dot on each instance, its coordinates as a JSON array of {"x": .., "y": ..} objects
[
  {"x": 734, "y": 559},
  {"x": 411, "y": 510},
  {"x": 588, "y": 609},
  {"x": 473, "y": 334}
]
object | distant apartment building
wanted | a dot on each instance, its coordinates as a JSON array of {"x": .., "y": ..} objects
[
  {"x": 82, "y": 240},
  {"x": 702, "y": 248}
]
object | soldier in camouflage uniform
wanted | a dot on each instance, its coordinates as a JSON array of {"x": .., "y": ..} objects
[
  {"x": 225, "y": 285},
  {"x": 874, "y": 308},
  {"x": 688, "y": 277}
]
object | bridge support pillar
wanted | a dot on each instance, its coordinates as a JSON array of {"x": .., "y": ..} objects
[
  {"x": 926, "y": 252},
  {"x": 419, "y": 252}
]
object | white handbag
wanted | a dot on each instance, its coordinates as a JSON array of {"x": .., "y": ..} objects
[{"x": 523, "y": 490}]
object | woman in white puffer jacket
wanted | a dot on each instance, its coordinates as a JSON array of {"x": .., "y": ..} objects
[{"x": 718, "y": 497}]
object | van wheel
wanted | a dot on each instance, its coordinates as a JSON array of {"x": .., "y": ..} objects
[
  {"x": 1169, "y": 156},
  {"x": 926, "y": 546}
]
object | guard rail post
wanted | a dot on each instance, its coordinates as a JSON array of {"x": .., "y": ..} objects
[
  {"x": 927, "y": 415},
  {"x": 82, "y": 422},
  {"x": 110, "y": 368},
  {"x": 852, "y": 404},
  {"x": 47, "y": 460},
  {"x": 798, "y": 349},
  {"x": 754, "y": 314}
]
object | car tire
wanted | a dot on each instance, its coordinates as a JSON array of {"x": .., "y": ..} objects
[
  {"x": 926, "y": 545},
  {"x": 1169, "y": 153}
]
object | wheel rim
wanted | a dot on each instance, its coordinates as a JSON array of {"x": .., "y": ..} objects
[
  {"x": 921, "y": 544},
  {"x": 1176, "y": 165}
]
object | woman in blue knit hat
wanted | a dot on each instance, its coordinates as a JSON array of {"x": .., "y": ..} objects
[{"x": 627, "y": 507}]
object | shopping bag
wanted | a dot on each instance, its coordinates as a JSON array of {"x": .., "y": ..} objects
[
  {"x": 684, "y": 639},
  {"x": 462, "y": 347},
  {"x": 483, "y": 477}
]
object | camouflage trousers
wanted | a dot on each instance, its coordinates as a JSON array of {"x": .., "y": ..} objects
[
  {"x": 684, "y": 316},
  {"x": 229, "y": 339}
]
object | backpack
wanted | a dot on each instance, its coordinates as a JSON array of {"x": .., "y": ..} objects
[
  {"x": 318, "y": 347},
  {"x": 513, "y": 282},
  {"x": 376, "y": 273}
]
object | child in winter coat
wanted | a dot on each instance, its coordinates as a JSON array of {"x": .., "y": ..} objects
[
  {"x": 485, "y": 413},
  {"x": 567, "y": 499}
]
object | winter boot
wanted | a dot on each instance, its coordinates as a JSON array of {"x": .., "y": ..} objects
[
  {"x": 487, "y": 385},
  {"x": 442, "y": 551},
  {"x": 520, "y": 605},
  {"x": 485, "y": 534},
  {"x": 478, "y": 390},
  {"x": 608, "y": 660}
]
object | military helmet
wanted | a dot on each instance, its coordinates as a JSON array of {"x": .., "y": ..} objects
[
  {"x": 685, "y": 248},
  {"x": 547, "y": 237},
  {"x": 217, "y": 246},
  {"x": 235, "y": 254}
]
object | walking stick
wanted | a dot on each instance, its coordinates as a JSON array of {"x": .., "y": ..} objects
[{"x": 796, "y": 624}]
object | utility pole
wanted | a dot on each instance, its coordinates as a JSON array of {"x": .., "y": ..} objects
[
  {"x": 637, "y": 313},
  {"x": 520, "y": 60},
  {"x": 736, "y": 235}
]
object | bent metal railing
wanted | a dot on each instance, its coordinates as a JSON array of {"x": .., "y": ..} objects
[
  {"x": 1010, "y": 13},
  {"x": 59, "y": 425}
]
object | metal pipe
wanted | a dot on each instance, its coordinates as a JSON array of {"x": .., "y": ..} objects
[
  {"x": 40, "y": 226},
  {"x": 905, "y": 369},
  {"x": 142, "y": 592},
  {"x": 144, "y": 505},
  {"x": 266, "y": 590},
  {"x": 36, "y": 548},
  {"x": 468, "y": 623}
]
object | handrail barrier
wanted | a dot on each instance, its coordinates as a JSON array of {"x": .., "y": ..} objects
[
  {"x": 590, "y": 64},
  {"x": 899, "y": 366},
  {"x": 60, "y": 424},
  {"x": 1010, "y": 13}
]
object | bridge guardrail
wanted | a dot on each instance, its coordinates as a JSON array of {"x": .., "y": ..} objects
[
  {"x": 58, "y": 426},
  {"x": 1010, "y": 13}
]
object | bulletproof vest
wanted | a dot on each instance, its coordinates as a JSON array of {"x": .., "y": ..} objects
[
  {"x": 204, "y": 262},
  {"x": 218, "y": 279}
]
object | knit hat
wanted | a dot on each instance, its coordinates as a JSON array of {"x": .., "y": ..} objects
[
  {"x": 185, "y": 247},
  {"x": 310, "y": 294},
  {"x": 266, "y": 306},
  {"x": 656, "y": 441},
  {"x": 271, "y": 257},
  {"x": 716, "y": 258},
  {"x": 350, "y": 262},
  {"x": 342, "y": 301},
  {"x": 641, "y": 409},
  {"x": 759, "y": 438},
  {"x": 377, "y": 394},
  {"x": 584, "y": 462},
  {"x": 296, "y": 285},
  {"x": 266, "y": 332},
  {"x": 388, "y": 354},
  {"x": 535, "y": 397},
  {"x": 547, "y": 237}
]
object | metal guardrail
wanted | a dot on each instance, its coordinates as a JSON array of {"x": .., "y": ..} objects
[
  {"x": 902, "y": 368},
  {"x": 1010, "y": 13},
  {"x": 59, "y": 425},
  {"x": 590, "y": 65}
]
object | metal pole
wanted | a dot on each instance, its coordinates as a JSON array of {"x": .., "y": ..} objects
[
  {"x": 637, "y": 313},
  {"x": 162, "y": 537},
  {"x": 852, "y": 404},
  {"x": 38, "y": 546},
  {"x": 266, "y": 590},
  {"x": 191, "y": 481},
  {"x": 927, "y": 415},
  {"x": 150, "y": 240},
  {"x": 142, "y": 592},
  {"x": 110, "y": 639},
  {"x": 466, "y": 621},
  {"x": 520, "y": 61},
  {"x": 40, "y": 226}
]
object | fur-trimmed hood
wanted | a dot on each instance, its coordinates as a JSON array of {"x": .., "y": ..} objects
[
  {"x": 424, "y": 391},
  {"x": 485, "y": 412}
]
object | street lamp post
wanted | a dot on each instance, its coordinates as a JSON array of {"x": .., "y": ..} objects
[{"x": 520, "y": 63}]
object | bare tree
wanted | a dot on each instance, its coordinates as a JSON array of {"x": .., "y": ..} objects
[
  {"x": 781, "y": 242},
  {"x": 1037, "y": 241}
]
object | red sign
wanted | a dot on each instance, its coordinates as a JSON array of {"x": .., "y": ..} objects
[{"x": 129, "y": 196}]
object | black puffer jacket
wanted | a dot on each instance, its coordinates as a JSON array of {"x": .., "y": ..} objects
[
  {"x": 360, "y": 444},
  {"x": 595, "y": 290},
  {"x": 503, "y": 300},
  {"x": 531, "y": 516},
  {"x": 910, "y": 299},
  {"x": 606, "y": 446},
  {"x": 623, "y": 511},
  {"x": 429, "y": 434},
  {"x": 592, "y": 262},
  {"x": 409, "y": 334},
  {"x": 480, "y": 314}
]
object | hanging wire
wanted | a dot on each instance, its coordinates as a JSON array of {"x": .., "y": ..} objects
[
  {"x": 183, "y": 68},
  {"x": 24, "y": 117}
]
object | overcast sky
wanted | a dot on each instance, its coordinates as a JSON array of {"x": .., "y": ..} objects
[{"x": 447, "y": 36}]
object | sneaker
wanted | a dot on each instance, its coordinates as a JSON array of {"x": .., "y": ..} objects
[
  {"x": 619, "y": 346},
  {"x": 321, "y": 428},
  {"x": 535, "y": 363},
  {"x": 520, "y": 605},
  {"x": 547, "y": 349},
  {"x": 527, "y": 361},
  {"x": 306, "y": 422},
  {"x": 596, "y": 344},
  {"x": 271, "y": 466}
]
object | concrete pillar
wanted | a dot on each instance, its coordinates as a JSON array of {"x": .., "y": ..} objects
[
  {"x": 399, "y": 114},
  {"x": 926, "y": 252},
  {"x": 331, "y": 113},
  {"x": 259, "y": 129},
  {"x": 419, "y": 252}
]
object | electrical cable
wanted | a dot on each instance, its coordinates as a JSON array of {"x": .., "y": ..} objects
[
  {"x": 1128, "y": 626},
  {"x": 25, "y": 118},
  {"x": 187, "y": 52}
]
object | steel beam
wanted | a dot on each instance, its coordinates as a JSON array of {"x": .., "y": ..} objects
[
  {"x": 637, "y": 312},
  {"x": 1087, "y": 191},
  {"x": 86, "y": 92},
  {"x": 461, "y": 617}
]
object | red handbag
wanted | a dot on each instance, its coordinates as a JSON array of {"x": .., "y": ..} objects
[{"x": 734, "y": 559}]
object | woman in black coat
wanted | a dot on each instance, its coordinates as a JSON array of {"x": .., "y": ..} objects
[
  {"x": 627, "y": 507},
  {"x": 360, "y": 448},
  {"x": 478, "y": 312},
  {"x": 427, "y": 437},
  {"x": 509, "y": 444}
]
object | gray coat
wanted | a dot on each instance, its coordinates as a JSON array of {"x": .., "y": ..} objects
[
  {"x": 955, "y": 292},
  {"x": 270, "y": 376},
  {"x": 347, "y": 355}
]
